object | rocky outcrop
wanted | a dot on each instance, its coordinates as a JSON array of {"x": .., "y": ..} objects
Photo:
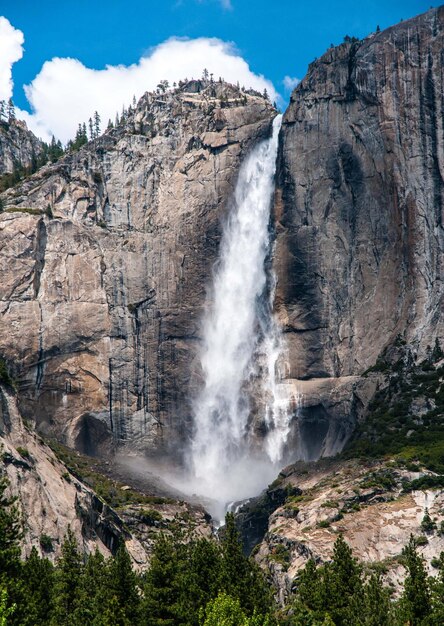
[
  {"x": 375, "y": 506},
  {"x": 50, "y": 499},
  {"x": 106, "y": 257},
  {"x": 19, "y": 147},
  {"x": 359, "y": 212},
  {"x": 53, "y": 496}
]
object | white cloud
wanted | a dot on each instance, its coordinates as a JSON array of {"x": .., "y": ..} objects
[
  {"x": 11, "y": 50},
  {"x": 65, "y": 92},
  {"x": 290, "y": 82}
]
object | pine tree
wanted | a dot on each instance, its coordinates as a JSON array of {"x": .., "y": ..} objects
[
  {"x": 91, "y": 129},
  {"x": 415, "y": 600},
  {"x": 96, "y": 124},
  {"x": 123, "y": 586},
  {"x": 163, "y": 86},
  {"x": 199, "y": 576},
  {"x": 38, "y": 579},
  {"x": 334, "y": 590},
  {"x": 11, "y": 110},
  {"x": 308, "y": 587},
  {"x": 5, "y": 610},
  {"x": 2, "y": 110},
  {"x": 10, "y": 565},
  {"x": 92, "y": 592},
  {"x": 437, "y": 353},
  {"x": 377, "y": 609},
  {"x": 55, "y": 150},
  {"x": 10, "y": 534},
  {"x": 67, "y": 582},
  {"x": 343, "y": 583},
  {"x": 437, "y": 593},
  {"x": 160, "y": 590},
  {"x": 241, "y": 576},
  {"x": 427, "y": 524}
]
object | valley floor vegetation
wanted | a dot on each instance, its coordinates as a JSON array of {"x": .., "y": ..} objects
[{"x": 202, "y": 582}]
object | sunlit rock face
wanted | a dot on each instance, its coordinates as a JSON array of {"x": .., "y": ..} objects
[
  {"x": 359, "y": 215},
  {"x": 101, "y": 305},
  {"x": 18, "y": 146}
]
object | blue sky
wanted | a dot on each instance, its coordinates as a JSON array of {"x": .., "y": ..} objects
[{"x": 276, "y": 38}]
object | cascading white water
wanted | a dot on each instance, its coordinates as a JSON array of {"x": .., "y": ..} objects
[{"x": 237, "y": 343}]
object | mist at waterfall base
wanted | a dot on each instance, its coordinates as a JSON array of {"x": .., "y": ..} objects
[
  {"x": 242, "y": 349},
  {"x": 243, "y": 412}
]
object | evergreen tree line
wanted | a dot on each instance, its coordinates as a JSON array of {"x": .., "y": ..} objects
[
  {"x": 54, "y": 150},
  {"x": 191, "y": 583},
  {"x": 201, "y": 582},
  {"x": 49, "y": 153}
]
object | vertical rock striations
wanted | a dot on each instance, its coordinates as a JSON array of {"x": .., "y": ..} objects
[
  {"x": 359, "y": 205},
  {"x": 101, "y": 305}
]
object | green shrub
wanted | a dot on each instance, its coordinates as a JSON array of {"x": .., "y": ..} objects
[
  {"x": 427, "y": 524},
  {"x": 421, "y": 540},
  {"x": 150, "y": 516},
  {"x": 46, "y": 543},
  {"x": 23, "y": 452},
  {"x": 330, "y": 504},
  {"x": 24, "y": 209},
  {"x": 280, "y": 554},
  {"x": 324, "y": 523}
]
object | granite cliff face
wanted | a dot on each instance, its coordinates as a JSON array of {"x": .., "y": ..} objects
[
  {"x": 375, "y": 506},
  {"x": 359, "y": 217},
  {"x": 18, "y": 146},
  {"x": 50, "y": 499},
  {"x": 55, "y": 494},
  {"x": 106, "y": 256}
]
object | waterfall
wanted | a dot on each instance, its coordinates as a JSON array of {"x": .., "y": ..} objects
[{"x": 242, "y": 347}]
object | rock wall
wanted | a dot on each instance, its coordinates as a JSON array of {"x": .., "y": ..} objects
[
  {"x": 372, "y": 505},
  {"x": 50, "y": 499},
  {"x": 106, "y": 257},
  {"x": 18, "y": 146},
  {"x": 359, "y": 213},
  {"x": 106, "y": 254}
]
